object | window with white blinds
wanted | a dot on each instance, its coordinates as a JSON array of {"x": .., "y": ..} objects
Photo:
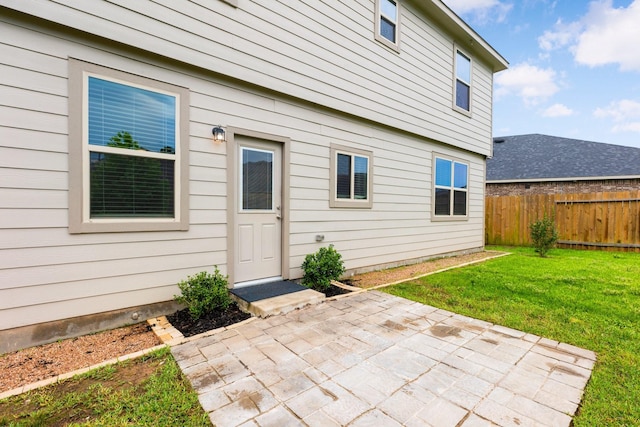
[
  {"x": 128, "y": 152},
  {"x": 132, "y": 150}
]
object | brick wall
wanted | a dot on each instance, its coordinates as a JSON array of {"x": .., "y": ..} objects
[{"x": 562, "y": 187}]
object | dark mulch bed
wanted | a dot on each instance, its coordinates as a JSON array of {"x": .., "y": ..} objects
[
  {"x": 335, "y": 290},
  {"x": 183, "y": 322}
]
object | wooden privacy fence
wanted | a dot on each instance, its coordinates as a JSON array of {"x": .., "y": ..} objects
[{"x": 609, "y": 221}]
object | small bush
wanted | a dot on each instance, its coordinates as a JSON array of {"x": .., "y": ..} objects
[
  {"x": 543, "y": 234},
  {"x": 321, "y": 268},
  {"x": 204, "y": 293}
]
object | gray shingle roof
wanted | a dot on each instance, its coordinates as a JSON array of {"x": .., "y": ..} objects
[{"x": 546, "y": 157}]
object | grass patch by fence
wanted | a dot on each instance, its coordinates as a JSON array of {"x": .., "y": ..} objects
[{"x": 586, "y": 298}]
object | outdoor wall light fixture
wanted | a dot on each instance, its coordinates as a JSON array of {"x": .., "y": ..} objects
[{"x": 219, "y": 134}]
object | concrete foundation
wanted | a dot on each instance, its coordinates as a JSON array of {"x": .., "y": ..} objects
[{"x": 43, "y": 333}]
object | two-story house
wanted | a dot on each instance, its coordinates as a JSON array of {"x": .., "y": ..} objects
[{"x": 144, "y": 141}]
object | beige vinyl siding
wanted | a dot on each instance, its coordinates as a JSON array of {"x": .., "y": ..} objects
[
  {"x": 33, "y": 314},
  {"x": 322, "y": 52},
  {"x": 27, "y": 238},
  {"x": 398, "y": 227},
  {"x": 48, "y": 274}
]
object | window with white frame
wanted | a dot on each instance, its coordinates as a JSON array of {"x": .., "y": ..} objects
[
  {"x": 350, "y": 178},
  {"x": 462, "y": 82},
  {"x": 387, "y": 22},
  {"x": 450, "y": 194},
  {"x": 128, "y": 152}
]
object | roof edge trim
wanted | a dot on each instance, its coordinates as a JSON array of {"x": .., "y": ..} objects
[
  {"x": 442, "y": 12},
  {"x": 579, "y": 178}
]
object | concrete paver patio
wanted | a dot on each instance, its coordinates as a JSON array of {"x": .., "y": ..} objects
[{"x": 373, "y": 359}]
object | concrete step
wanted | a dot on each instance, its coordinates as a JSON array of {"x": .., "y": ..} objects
[
  {"x": 273, "y": 298},
  {"x": 280, "y": 304}
]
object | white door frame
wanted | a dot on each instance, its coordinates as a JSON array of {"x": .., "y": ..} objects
[{"x": 232, "y": 195}]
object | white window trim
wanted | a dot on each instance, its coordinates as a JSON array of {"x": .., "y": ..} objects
[
  {"x": 334, "y": 201},
  {"x": 457, "y": 50},
  {"x": 79, "y": 153},
  {"x": 377, "y": 30},
  {"x": 451, "y": 216}
]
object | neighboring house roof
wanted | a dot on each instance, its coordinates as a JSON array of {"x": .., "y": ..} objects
[{"x": 538, "y": 157}]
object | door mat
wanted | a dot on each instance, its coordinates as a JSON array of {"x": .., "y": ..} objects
[{"x": 267, "y": 290}]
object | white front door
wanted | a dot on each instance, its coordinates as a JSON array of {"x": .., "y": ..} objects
[{"x": 258, "y": 229}]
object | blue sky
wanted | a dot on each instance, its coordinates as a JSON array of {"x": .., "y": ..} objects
[{"x": 574, "y": 66}]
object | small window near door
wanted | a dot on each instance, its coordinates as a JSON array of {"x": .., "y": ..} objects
[
  {"x": 257, "y": 180},
  {"x": 387, "y": 23},
  {"x": 350, "y": 178},
  {"x": 450, "y": 195}
]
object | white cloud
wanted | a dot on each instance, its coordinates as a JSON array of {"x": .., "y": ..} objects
[
  {"x": 627, "y": 127},
  {"x": 531, "y": 83},
  {"x": 558, "y": 110},
  {"x": 601, "y": 37},
  {"x": 481, "y": 11},
  {"x": 610, "y": 36},
  {"x": 622, "y": 110},
  {"x": 466, "y": 6},
  {"x": 562, "y": 35},
  {"x": 624, "y": 113}
]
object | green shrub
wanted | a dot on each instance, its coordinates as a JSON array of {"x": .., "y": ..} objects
[
  {"x": 543, "y": 234},
  {"x": 321, "y": 268},
  {"x": 204, "y": 293}
]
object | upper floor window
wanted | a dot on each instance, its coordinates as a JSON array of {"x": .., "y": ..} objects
[
  {"x": 451, "y": 188},
  {"x": 128, "y": 153},
  {"x": 350, "y": 178},
  {"x": 462, "y": 81},
  {"x": 388, "y": 22}
]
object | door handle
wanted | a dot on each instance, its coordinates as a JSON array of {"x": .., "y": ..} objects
[{"x": 278, "y": 215}]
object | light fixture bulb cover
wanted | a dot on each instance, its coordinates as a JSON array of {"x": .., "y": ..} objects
[{"x": 218, "y": 133}]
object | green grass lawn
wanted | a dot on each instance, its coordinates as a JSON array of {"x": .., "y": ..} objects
[
  {"x": 149, "y": 391},
  {"x": 586, "y": 298}
]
